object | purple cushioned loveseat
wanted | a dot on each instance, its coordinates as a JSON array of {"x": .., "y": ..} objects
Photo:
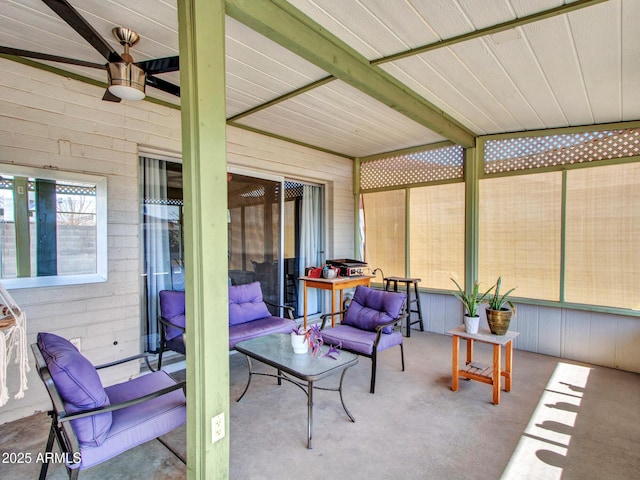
[{"x": 249, "y": 317}]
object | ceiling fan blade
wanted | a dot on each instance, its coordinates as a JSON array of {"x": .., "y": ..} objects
[
  {"x": 70, "y": 15},
  {"x": 110, "y": 97},
  {"x": 51, "y": 58},
  {"x": 163, "y": 85},
  {"x": 160, "y": 65}
]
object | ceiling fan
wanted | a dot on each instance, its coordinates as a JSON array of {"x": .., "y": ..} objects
[{"x": 126, "y": 79}]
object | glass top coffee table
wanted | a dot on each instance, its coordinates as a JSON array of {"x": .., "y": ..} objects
[{"x": 275, "y": 350}]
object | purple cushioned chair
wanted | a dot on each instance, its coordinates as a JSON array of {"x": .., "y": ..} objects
[
  {"x": 92, "y": 423},
  {"x": 367, "y": 325},
  {"x": 172, "y": 322}
]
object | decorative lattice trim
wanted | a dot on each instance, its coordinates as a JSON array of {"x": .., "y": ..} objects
[
  {"x": 6, "y": 183},
  {"x": 293, "y": 190},
  {"x": 512, "y": 154},
  {"x": 432, "y": 165},
  {"x": 163, "y": 201}
]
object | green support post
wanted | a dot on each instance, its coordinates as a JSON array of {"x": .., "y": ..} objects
[
  {"x": 357, "y": 238},
  {"x": 202, "y": 81},
  {"x": 21, "y": 218},
  {"x": 472, "y": 171}
]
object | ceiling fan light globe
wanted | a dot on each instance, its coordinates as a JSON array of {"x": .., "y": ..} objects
[
  {"x": 126, "y": 92},
  {"x": 126, "y": 81}
]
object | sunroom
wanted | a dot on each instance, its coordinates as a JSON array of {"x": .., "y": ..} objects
[{"x": 439, "y": 140}]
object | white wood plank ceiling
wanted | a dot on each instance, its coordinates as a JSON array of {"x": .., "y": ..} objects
[{"x": 576, "y": 68}]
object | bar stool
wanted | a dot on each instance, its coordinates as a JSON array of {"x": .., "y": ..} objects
[{"x": 391, "y": 284}]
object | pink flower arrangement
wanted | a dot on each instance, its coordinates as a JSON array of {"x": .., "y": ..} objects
[{"x": 313, "y": 335}]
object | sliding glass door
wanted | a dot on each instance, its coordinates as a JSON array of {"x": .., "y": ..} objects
[
  {"x": 255, "y": 233},
  {"x": 303, "y": 244},
  {"x": 161, "y": 221},
  {"x": 274, "y": 232}
]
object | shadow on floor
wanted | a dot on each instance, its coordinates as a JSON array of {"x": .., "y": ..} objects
[{"x": 562, "y": 419}]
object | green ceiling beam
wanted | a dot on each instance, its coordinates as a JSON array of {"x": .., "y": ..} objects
[
  {"x": 287, "y": 26},
  {"x": 282, "y": 98},
  {"x": 536, "y": 17},
  {"x": 407, "y": 151},
  {"x": 501, "y": 27}
]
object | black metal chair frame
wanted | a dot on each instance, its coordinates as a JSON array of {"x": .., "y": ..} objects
[
  {"x": 288, "y": 308},
  {"x": 164, "y": 323},
  {"x": 61, "y": 429},
  {"x": 374, "y": 354}
]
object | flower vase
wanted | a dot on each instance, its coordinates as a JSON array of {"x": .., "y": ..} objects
[
  {"x": 299, "y": 343},
  {"x": 471, "y": 324},
  {"x": 499, "y": 320}
]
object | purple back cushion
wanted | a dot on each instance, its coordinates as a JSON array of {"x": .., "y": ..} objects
[
  {"x": 172, "y": 308},
  {"x": 79, "y": 387},
  {"x": 246, "y": 304},
  {"x": 370, "y": 308}
]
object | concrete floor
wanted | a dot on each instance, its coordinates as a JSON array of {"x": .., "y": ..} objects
[{"x": 562, "y": 420}]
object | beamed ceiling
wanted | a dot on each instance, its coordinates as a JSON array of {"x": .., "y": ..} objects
[{"x": 363, "y": 77}]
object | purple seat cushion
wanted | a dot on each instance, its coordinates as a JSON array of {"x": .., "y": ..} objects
[
  {"x": 172, "y": 308},
  {"x": 370, "y": 308},
  {"x": 258, "y": 328},
  {"x": 79, "y": 387},
  {"x": 142, "y": 422},
  {"x": 246, "y": 304},
  {"x": 360, "y": 341}
]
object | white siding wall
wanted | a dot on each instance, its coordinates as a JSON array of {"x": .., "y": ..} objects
[
  {"x": 597, "y": 338},
  {"x": 49, "y": 120}
]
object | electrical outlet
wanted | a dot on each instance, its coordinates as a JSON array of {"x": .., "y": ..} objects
[
  {"x": 76, "y": 343},
  {"x": 217, "y": 427}
]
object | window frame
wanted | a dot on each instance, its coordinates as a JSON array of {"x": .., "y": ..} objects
[
  {"x": 101, "y": 274},
  {"x": 474, "y": 172},
  {"x": 564, "y": 168}
]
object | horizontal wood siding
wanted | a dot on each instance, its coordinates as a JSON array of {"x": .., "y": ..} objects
[{"x": 48, "y": 120}]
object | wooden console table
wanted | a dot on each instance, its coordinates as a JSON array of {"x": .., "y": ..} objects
[
  {"x": 332, "y": 284},
  {"x": 487, "y": 374}
]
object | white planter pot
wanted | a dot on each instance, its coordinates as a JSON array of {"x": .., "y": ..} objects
[
  {"x": 471, "y": 324},
  {"x": 299, "y": 343}
]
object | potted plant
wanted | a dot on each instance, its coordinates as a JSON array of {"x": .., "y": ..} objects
[
  {"x": 498, "y": 316},
  {"x": 302, "y": 339},
  {"x": 470, "y": 301},
  {"x": 299, "y": 340}
]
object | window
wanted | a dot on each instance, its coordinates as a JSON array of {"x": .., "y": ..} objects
[
  {"x": 519, "y": 238},
  {"x": 603, "y": 227},
  {"x": 437, "y": 234},
  {"x": 432, "y": 181},
  {"x": 557, "y": 216},
  {"x": 53, "y": 227},
  {"x": 562, "y": 225},
  {"x": 384, "y": 214}
]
